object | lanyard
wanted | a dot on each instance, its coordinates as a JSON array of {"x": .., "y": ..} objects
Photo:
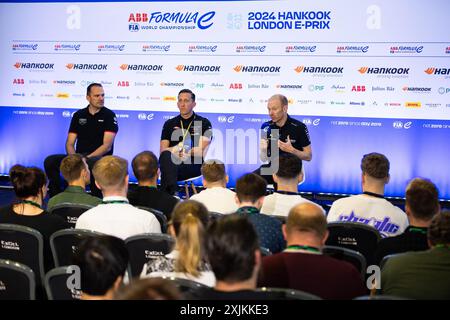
[
  {"x": 187, "y": 130},
  {"x": 114, "y": 201},
  {"x": 35, "y": 204},
  {"x": 373, "y": 194},
  {"x": 307, "y": 248},
  {"x": 418, "y": 230}
]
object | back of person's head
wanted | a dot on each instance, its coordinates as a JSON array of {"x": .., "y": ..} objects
[
  {"x": 189, "y": 220},
  {"x": 110, "y": 172},
  {"x": 439, "y": 230},
  {"x": 289, "y": 167},
  {"x": 145, "y": 166},
  {"x": 250, "y": 187},
  {"x": 213, "y": 171},
  {"x": 149, "y": 289},
  {"x": 102, "y": 260},
  {"x": 72, "y": 166},
  {"x": 307, "y": 217},
  {"x": 187, "y": 91},
  {"x": 231, "y": 243},
  {"x": 422, "y": 198},
  {"x": 27, "y": 181},
  {"x": 375, "y": 165}
]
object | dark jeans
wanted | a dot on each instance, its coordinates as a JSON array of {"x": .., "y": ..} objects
[
  {"x": 56, "y": 182},
  {"x": 172, "y": 172}
]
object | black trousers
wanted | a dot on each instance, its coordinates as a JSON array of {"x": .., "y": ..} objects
[
  {"x": 56, "y": 182},
  {"x": 172, "y": 172}
]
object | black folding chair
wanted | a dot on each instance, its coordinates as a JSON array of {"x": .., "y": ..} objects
[
  {"x": 64, "y": 243},
  {"x": 354, "y": 236},
  {"x": 352, "y": 256},
  {"x": 144, "y": 247},
  {"x": 23, "y": 245},
  {"x": 289, "y": 294},
  {"x": 161, "y": 217},
  {"x": 17, "y": 281},
  {"x": 188, "y": 288},
  {"x": 70, "y": 212},
  {"x": 60, "y": 286}
]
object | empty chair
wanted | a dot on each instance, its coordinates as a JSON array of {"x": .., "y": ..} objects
[
  {"x": 289, "y": 294},
  {"x": 23, "y": 245},
  {"x": 352, "y": 256},
  {"x": 161, "y": 217},
  {"x": 63, "y": 244},
  {"x": 144, "y": 247},
  {"x": 355, "y": 236},
  {"x": 17, "y": 281},
  {"x": 70, "y": 211},
  {"x": 57, "y": 285}
]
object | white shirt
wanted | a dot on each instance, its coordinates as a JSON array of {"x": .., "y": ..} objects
[
  {"x": 217, "y": 199},
  {"x": 205, "y": 277},
  {"x": 279, "y": 204},
  {"x": 121, "y": 220},
  {"x": 377, "y": 212}
]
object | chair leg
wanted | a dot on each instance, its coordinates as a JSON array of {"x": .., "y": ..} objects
[{"x": 194, "y": 189}]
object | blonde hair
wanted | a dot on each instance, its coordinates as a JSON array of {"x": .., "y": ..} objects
[
  {"x": 110, "y": 171},
  {"x": 189, "y": 219}
]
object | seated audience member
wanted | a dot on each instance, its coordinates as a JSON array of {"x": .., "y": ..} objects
[
  {"x": 250, "y": 193},
  {"x": 422, "y": 203},
  {"x": 233, "y": 251},
  {"x": 370, "y": 207},
  {"x": 145, "y": 168},
  {"x": 287, "y": 178},
  {"x": 115, "y": 216},
  {"x": 102, "y": 261},
  {"x": 76, "y": 172},
  {"x": 422, "y": 274},
  {"x": 149, "y": 289},
  {"x": 216, "y": 197},
  {"x": 303, "y": 267},
  {"x": 189, "y": 220},
  {"x": 30, "y": 187}
]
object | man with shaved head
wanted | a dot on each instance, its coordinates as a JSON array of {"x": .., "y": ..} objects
[
  {"x": 282, "y": 134},
  {"x": 302, "y": 266}
]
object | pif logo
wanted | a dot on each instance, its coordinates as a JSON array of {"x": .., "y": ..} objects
[
  {"x": 138, "y": 17},
  {"x": 123, "y": 84},
  {"x": 18, "y": 81},
  {"x": 236, "y": 86}
]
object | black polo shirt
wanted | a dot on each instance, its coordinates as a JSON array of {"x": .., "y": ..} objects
[
  {"x": 198, "y": 126},
  {"x": 90, "y": 129},
  {"x": 296, "y": 130}
]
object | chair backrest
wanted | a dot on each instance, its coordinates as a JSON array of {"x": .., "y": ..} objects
[
  {"x": 144, "y": 247},
  {"x": 162, "y": 219},
  {"x": 290, "y": 294},
  {"x": 17, "y": 281},
  {"x": 64, "y": 243},
  {"x": 265, "y": 252},
  {"x": 24, "y": 245},
  {"x": 187, "y": 287},
  {"x": 56, "y": 284},
  {"x": 352, "y": 256},
  {"x": 355, "y": 236},
  {"x": 70, "y": 212}
]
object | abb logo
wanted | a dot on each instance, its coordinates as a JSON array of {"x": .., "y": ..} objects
[
  {"x": 18, "y": 81},
  {"x": 236, "y": 86},
  {"x": 123, "y": 84},
  {"x": 359, "y": 88},
  {"x": 138, "y": 17}
]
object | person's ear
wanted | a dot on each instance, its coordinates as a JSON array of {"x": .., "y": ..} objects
[
  {"x": 283, "y": 229},
  {"x": 275, "y": 178},
  {"x": 325, "y": 237}
]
